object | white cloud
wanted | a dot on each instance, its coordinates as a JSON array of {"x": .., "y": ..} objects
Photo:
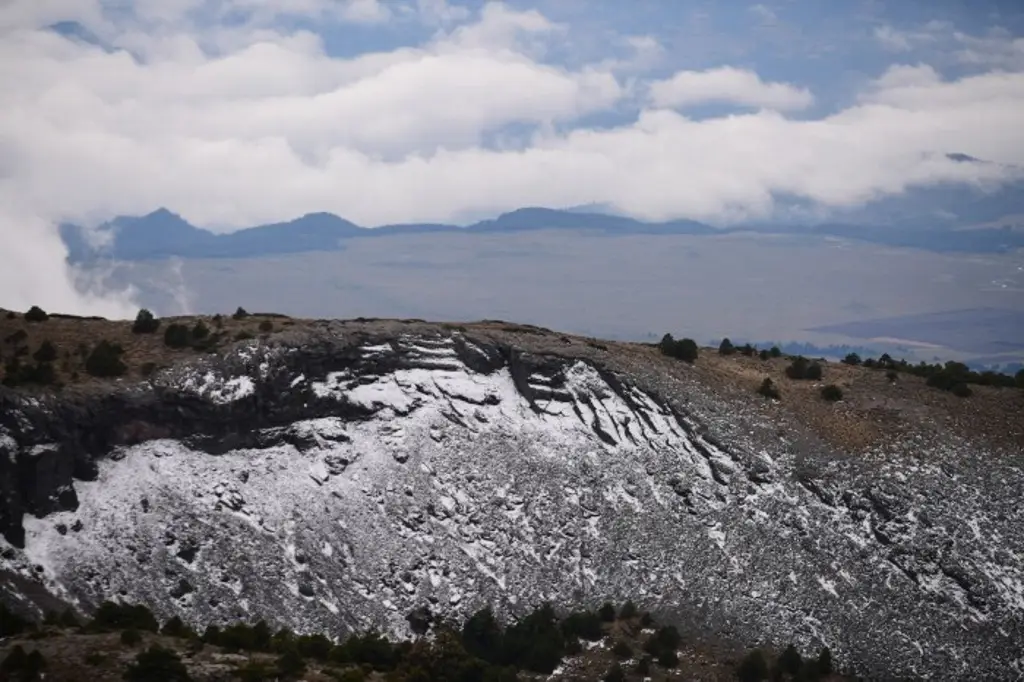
[
  {"x": 727, "y": 85},
  {"x": 998, "y": 49},
  {"x": 265, "y": 126},
  {"x": 892, "y": 39}
]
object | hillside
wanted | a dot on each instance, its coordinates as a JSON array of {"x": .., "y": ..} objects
[{"x": 338, "y": 475}]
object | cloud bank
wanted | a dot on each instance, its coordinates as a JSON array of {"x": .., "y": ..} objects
[{"x": 235, "y": 112}]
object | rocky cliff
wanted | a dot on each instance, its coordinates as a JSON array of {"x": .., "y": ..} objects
[{"x": 341, "y": 476}]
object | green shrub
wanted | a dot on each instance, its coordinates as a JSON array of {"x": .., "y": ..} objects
[
  {"x": 244, "y": 336},
  {"x": 615, "y": 674},
  {"x": 111, "y": 616},
  {"x": 961, "y": 390},
  {"x": 824, "y": 663},
  {"x": 892, "y": 376},
  {"x": 240, "y": 314},
  {"x": 802, "y": 369},
  {"x": 176, "y": 336},
  {"x": 266, "y": 326},
  {"x": 622, "y": 650},
  {"x": 628, "y": 611},
  {"x": 832, "y": 393},
  {"x": 36, "y": 314},
  {"x": 15, "y": 660},
  {"x": 147, "y": 369},
  {"x": 200, "y": 331},
  {"x": 643, "y": 667},
  {"x": 684, "y": 349},
  {"x": 290, "y": 665},
  {"x": 584, "y": 625},
  {"x": 482, "y": 636},
  {"x": 175, "y": 627},
  {"x": 95, "y": 658},
  {"x": 607, "y": 612},
  {"x": 130, "y": 637},
  {"x": 46, "y": 352},
  {"x": 157, "y": 664},
  {"x": 726, "y": 347},
  {"x": 753, "y": 667},
  {"x": 769, "y": 390},
  {"x": 105, "y": 360},
  {"x": 763, "y": 355},
  {"x": 1018, "y": 379},
  {"x": 11, "y": 623},
  {"x": 775, "y": 352},
  {"x": 145, "y": 323},
  {"x": 852, "y": 359},
  {"x": 790, "y": 662}
]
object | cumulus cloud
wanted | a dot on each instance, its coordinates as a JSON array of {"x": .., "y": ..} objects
[
  {"x": 233, "y": 124},
  {"x": 728, "y": 85}
]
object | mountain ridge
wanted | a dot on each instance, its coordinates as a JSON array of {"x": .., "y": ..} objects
[
  {"x": 343, "y": 474},
  {"x": 924, "y": 218}
]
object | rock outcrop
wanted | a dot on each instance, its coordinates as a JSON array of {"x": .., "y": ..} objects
[{"x": 337, "y": 480}]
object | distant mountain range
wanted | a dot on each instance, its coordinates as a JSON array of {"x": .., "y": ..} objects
[
  {"x": 164, "y": 234},
  {"x": 948, "y": 218}
]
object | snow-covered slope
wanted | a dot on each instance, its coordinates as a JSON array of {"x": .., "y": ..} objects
[{"x": 343, "y": 482}]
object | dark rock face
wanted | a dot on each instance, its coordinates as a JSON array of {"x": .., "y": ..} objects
[{"x": 337, "y": 482}]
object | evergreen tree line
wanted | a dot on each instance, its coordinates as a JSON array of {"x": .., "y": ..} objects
[{"x": 481, "y": 649}]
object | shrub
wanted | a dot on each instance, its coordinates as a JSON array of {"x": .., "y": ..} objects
[
  {"x": 747, "y": 350},
  {"x": 683, "y": 349},
  {"x": 668, "y": 658},
  {"x": 46, "y": 352},
  {"x": 832, "y": 393},
  {"x": 175, "y": 627},
  {"x": 726, "y": 347},
  {"x": 753, "y": 667},
  {"x": 200, "y": 331},
  {"x": 643, "y": 668},
  {"x": 36, "y": 314},
  {"x": 266, "y": 326},
  {"x": 628, "y": 611},
  {"x": 775, "y": 352},
  {"x": 176, "y": 336},
  {"x": 801, "y": 368},
  {"x": 962, "y": 390},
  {"x": 615, "y": 674},
  {"x": 622, "y": 650},
  {"x": 244, "y": 336},
  {"x": 240, "y": 314},
  {"x": 11, "y": 315},
  {"x": 157, "y": 664},
  {"x": 17, "y": 374},
  {"x": 892, "y": 376},
  {"x": 290, "y": 665},
  {"x": 68, "y": 619},
  {"x": 1018, "y": 379},
  {"x": 852, "y": 359},
  {"x": 130, "y": 637},
  {"x": 584, "y": 625},
  {"x": 111, "y": 616},
  {"x": 15, "y": 660},
  {"x": 790, "y": 661},
  {"x": 607, "y": 612},
  {"x": 482, "y": 636},
  {"x": 105, "y": 360},
  {"x": 768, "y": 389},
  {"x": 824, "y": 663},
  {"x": 145, "y": 323},
  {"x": 95, "y": 658},
  {"x": 763, "y": 355},
  {"x": 147, "y": 369}
]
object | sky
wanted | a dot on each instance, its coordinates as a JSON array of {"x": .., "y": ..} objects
[{"x": 240, "y": 112}]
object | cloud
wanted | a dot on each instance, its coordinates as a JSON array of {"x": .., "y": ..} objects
[
  {"x": 998, "y": 49},
  {"x": 727, "y": 85},
  {"x": 234, "y": 124}
]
